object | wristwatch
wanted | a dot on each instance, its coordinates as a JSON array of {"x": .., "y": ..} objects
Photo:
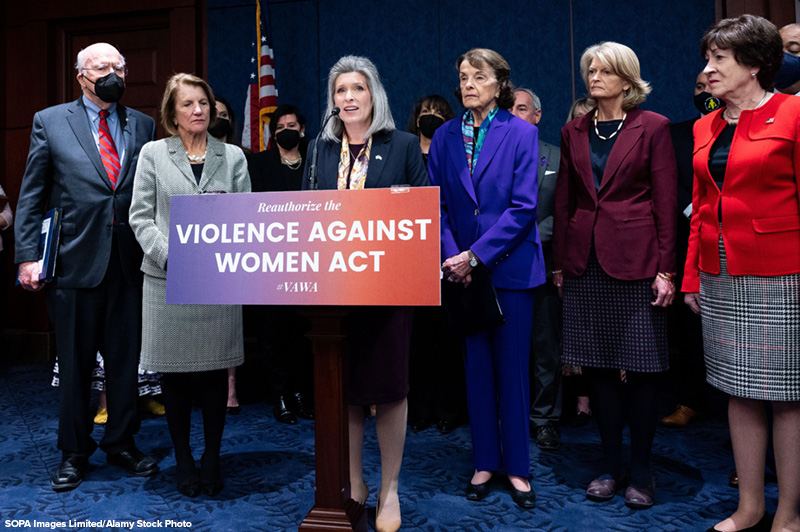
[{"x": 473, "y": 260}]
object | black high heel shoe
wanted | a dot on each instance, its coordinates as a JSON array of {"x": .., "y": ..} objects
[{"x": 764, "y": 524}]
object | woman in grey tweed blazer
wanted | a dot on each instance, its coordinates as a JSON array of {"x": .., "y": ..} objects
[{"x": 192, "y": 345}]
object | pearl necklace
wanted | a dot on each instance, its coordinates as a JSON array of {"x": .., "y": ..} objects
[
  {"x": 293, "y": 165},
  {"x": 196, "y": 158},
  {"x": 736, "y": 118},
  {"x": 611, "y": 136}
]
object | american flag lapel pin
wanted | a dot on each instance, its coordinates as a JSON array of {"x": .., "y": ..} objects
[{"x": 770, "y": 120}]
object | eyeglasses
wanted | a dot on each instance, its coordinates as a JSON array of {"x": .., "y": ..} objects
[{"x": 120, "y": 70}]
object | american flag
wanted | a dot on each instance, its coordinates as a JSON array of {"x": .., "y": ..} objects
[{"x": 262, "y": 95}]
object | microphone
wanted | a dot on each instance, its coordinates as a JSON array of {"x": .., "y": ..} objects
[{"x": 312, "y": 174}]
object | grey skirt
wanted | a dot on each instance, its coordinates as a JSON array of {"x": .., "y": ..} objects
[
  {"x": 751, "y": 333},
  {"x": 188, "y": 338},
  {"x": 610, "y": 323}
]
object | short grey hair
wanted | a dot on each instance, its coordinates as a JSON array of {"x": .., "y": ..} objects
[
  {"x": 381, "y": 113},
  {"x": 537, "y": 103},
  {"x": 80, "y": 62}
]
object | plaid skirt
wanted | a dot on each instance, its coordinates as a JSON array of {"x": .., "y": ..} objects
[
  {"x": 751, "y": 333},
  {"x": 610, "y": 323}
]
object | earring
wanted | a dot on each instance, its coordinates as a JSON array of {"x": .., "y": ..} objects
[{"x": 752, "y": 74}]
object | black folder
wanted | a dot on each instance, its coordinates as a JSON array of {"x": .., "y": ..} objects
[{"x": 475, "y": 307}]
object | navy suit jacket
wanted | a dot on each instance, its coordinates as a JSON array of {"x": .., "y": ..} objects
[
  {"x": 64, "y": 170},
  {"x": 493, "y": 211},
  {"x": 395, "y": 159}
]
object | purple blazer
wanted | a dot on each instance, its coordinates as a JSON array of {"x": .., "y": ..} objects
[{"x": 492, "y": 212}]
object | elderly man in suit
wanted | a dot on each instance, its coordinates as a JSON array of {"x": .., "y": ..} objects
[
  {"x": 545, "y": 368},
  {"x": 82, "y": 159}
]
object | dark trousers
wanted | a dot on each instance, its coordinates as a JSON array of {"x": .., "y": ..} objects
[
  {"x": 106, "y": 318},
  {"x": 545, "y": 370},
  {"x": 498, "y": 395},
  {"x": 287, "y": 352},
  {"x": 687, "y": 367},
  {"x": 436, "y": 368}
]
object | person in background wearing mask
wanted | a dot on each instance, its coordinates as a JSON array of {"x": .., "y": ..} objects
[
  {"x": 222, "y": 129},
  {"x": 437, "y": 393},
  {"x": 287, "y": 352},
  {"x": 545, "y": 368},
  {"x": 82, "y": 158},
  {"x": 788, "y": 79},
  {"x": 687, "y": 366},
  {"x": 430, "y": 112}
]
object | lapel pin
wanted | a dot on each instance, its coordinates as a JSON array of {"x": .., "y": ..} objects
[
  {"x": 378, "y": 158},
  {"x": 770, "y": 120}
]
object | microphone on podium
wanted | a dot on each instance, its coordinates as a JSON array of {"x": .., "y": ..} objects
[{"x": 312, "y": 174}]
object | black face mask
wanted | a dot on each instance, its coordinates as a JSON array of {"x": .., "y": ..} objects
[
  {"x": 109, "y": 88},
  {"x": 706, "y": 103},
  {"x": 287, "y": 138},
  {"x": 428, "y": 124},
  {"x": 220, "y": 129}
]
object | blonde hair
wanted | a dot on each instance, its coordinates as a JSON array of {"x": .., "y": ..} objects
[
  {"x": 623, "y": 62},
  {"x": 171, "y": 91}
]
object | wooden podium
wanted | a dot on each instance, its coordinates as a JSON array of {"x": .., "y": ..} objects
[{"x": 333, "y": 509}]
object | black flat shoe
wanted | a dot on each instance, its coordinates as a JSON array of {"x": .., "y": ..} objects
[
  {"x": 524, "y": 499},
  {"x": 189, "y": 488},
  {"x": 234, "y": 410},
  {"x": 478, "y": 492},
  {"x": 211, "y": 487},
  {"x": 210, "y": 474},
  {"x": 581, "y": 419},
  {"x": 303, "y": 407},
  {"x": 69, "y": 473},
  {"x": 419, "y": 424},
  {"x": 134, "y": 461},
  {"x": 282, "y": 411},
  {"x": 446, "y": 427},
  {"x": 763, "y": 525}
]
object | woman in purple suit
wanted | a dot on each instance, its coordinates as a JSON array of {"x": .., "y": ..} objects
[{"x": 485, "y": 163}]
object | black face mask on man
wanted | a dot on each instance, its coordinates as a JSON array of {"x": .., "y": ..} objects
[
  {"x": 220, "y": 129},
  {"x": 428, "y": 124},
  {"x": 287, "y": 138},
  {"x": 706, "y": 103},
  {"x": 109, "y": 88}
]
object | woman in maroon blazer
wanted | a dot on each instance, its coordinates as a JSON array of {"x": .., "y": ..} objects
[
  {"x": 743, "y": 265},
  {"x": 614, "y": 258}
]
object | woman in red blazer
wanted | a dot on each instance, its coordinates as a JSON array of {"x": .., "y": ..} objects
[
  {"x": 743, "y": 266},
  {"x": 614, "y": 254}
]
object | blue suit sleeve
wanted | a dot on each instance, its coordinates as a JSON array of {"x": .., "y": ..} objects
[{"x": 33, "y": 195}]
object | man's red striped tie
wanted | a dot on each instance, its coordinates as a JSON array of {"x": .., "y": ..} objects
[{"x": 108, "y": 150}]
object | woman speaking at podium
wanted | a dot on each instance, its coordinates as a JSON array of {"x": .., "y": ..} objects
[{"x": 360, "y": 148}]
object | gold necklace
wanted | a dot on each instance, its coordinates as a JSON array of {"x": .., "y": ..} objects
[
  {"x": 293, "y": 165},
  {"x": 736, "y": 118},
  {"x": 611, "y": 136}
]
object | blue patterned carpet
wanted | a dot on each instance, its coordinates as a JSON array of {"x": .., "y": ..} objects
[{"x": 270, "y": 480}]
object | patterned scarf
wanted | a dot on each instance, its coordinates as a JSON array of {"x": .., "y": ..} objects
[
  {"x": 468, "y": 132},
  {"x": 358, "y": 175}
]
